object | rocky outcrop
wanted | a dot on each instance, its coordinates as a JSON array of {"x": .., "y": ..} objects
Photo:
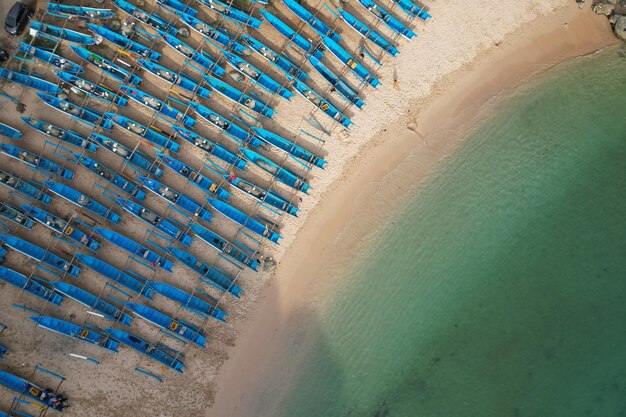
[{"x": 616, "y": 12}]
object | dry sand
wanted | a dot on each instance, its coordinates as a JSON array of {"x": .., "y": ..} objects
[{"x": 447, "y": 78}]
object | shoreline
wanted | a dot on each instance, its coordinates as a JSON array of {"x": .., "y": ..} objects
[{"x": 389, "y": 166}]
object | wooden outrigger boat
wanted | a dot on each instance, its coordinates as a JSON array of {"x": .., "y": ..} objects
[
  {"x": 171, "y": 77},
  {"x": 225, "y": 247},
  {"x": 315, "y": 23},
  {"x": 61, "y": 226},
  {"x": 172, "y": 196},
  {"x": 9, "y": 132},
  {"x": 282, "y": 174},
  {"x": 81, "y": 200},
  {"x": 337, "y": 83},
  {"x": 15, "y": 183},
  {"x": 190, "y": 302},
  {"x": 30, "y": 285},
  {"x": 289, "y": 147},
  {"x": 226, "y": 41},
  {"x": 357, "y": 69},
  {"x": 77, "y": 332},
  {"x": 157, "y": 105},
  {"x": 244, "y": 220},
  {"x": 269, "y": 197},
  {"x": 321, "y": 103},
  {"x": 160, "y": 353},
  {"x": 388, "y": 19},
  {"x": 97, "y": 304},
  {"x": 82, "y": 114},
  {"x": 151, "y": 19},
  {"x": 107, "y": 66},
  {"x": 368, "y": 33},
  {"x": 124, "y": 42},
  {"x": 231, "y": 130},
  {"x": 292, "y": 35},
  {"x": 155, "y": 220},
  {"x": 205, "y": 61},
  {"x": 50, "y": 58},
  {"x": 281, "y": 62},
  {"x": 133, "y": 282},
  {"x": 193, "y": 176},
  {"x": 210, "y": 147},
  {"x": 212, "y": 275},
  {"x": 239, "y": 97},
  {"x": 134, "y": 157},
  {"x": 30, "y": 81},
  {"x": 111, "y": 177},
  {"x": 62, "y": 33},
  {"x": 16, "y": 215},
  {"x": 35, "y": 161},
  {"x": 41, "y": 255},
  {"x": 68, "y": 136},
  {"x": 41, "y": 397},
  {"x": 179, "y": 328},
  {"x": 230, "y": 12},
  {"x": 92, "y": 89},
  {"x": 264, "y": 81},
  {"x": 135, "y": 248},
  {"x": 145, "y": 132},
  {"x": 87, "y": 12}
]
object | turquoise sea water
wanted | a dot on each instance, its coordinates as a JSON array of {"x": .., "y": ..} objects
[{"x": 500, "y": 288}]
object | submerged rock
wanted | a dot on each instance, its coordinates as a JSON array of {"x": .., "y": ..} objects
[
  {"x": 620, "y": 28},
  {"x": 604, "y": 8}
]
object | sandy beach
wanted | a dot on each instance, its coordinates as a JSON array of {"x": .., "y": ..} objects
[
  {"x": 462, "y": 65},
  {"x": 435, "y": 112}
]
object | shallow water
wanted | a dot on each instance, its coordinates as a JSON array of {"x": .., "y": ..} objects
[{"x": 500, "y": 288}]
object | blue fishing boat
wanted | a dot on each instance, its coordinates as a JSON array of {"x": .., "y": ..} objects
[
  {"x": 30, "y": 81},
  {"x": 413, "y": 9},
  {"x": 29, "y": 285},
  {"x": 188, "y": 301},
  {"x": 205, "y": 61},
  {"x": 225, "y": 247},
  {"x": 50, "y": 58},
  {"x": 3, "y": 350},
  {"x": 135, "y": 248},
  {"x": 95, "y": 303},
  {"x": 171, "y": 77},
  {"x": 210, "y": 147},
  {"x": 45, "y": 397},
  {"x": 179, "y": 7},
  {"x": 153, "y": 219},
  {"x": 231, "y": 130},
  {"x": 62, "y": 33},
  {"x": 35, "y": 161},
  {"x": 368, "y": 33},
  {"x": 16, "y": 216},
  {"x": 172, "y": 196},
  {"x": 157, "y": 105},
  {"x": 147, "y": 133},
  {"x": 193, "y": 176},
  {"x": 217, "y": 279},
  {"x": 108, "y": 67},
  {"x": 233, "y": 94},
  {"x": 117, "y": 180},
  {"x": 15, "y": 183},
  {"x": 282, "y": 174},
  {"x": 310, "y": 19},
  {"x": 162, "y": 354},
  {"x": 81, "y": 200},
  {"x": 9, "y": 132},
  {"x": 151, "y": 19},
  {"x": 230, "y": 12},
  {"x": 321, "y": 103},
  {"x": 132, "y": 282},
  {"x": 61, "y": 226},
  {"x": 262, "y": 195},
  {"x": 337, "y": 83},
  {"x": 358, "y": 69},
  {"x": 289, "y": 147},
  {"x": 281, "y": 62},
  {"x": 92, "y": 89},
  {"x": 83, "y": 114},
  {"x": 244, "y": 220},
  {"x": 134, "y": 157},
  {"x": 225, "y": 40},
  {"x": 124, "y": 42},
  {"x": 387, "y": 18},
  {"x": 264, "y": 81},
  {"x": 75, "y": 331},
  {"x": 177, "y": 327},
  {"x": 41, "y": 255},
  {"x": 67, "y": 136},
  {"x": 292, "y": 35},
  {"x": 87, "y": 12}
]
